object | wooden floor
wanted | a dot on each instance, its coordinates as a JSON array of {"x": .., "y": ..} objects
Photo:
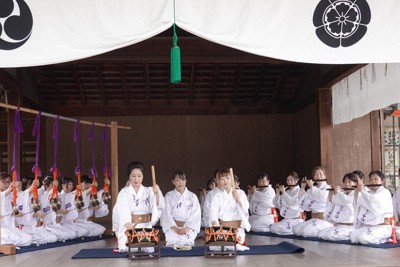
[{"x": 316, "y": 254}]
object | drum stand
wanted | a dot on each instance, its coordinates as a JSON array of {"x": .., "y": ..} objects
[
  {"x": 222, "y": 253},
  {"x": 142, "y": 255}
]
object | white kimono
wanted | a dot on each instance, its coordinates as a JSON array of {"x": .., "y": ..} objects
[
  {"x": 225, "y": 208},
  {"x": 9, "y": 233},
  {"x": 314, "y": 200},
  {"x": 372, "y": 209},
  {"x": 102, "y": 209},
  {"x": 340, "y": 212},
  {"x": 68, "y": 220},
  {"x": 49, "y": 220},
  {"x": 94, "y": 229},
  {"x": 288, "y": 205},
  {"x": 28, "y": 223},
  {"x": 261, "y": 204},
  {"x": 205, "y": 222},
  {"x": 129, "y": 202},
  {"x": 181, "y": 207}
]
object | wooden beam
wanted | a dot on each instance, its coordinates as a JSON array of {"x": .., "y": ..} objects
[
  {"x": 191, "y": 90},
  {"x": 114, "y": 162},
  {"x": 56, "y": 89},
  {"x": 147, "y": 82},
  {"x": 79, "y": 84},
  {"x": 214, "y": 84},
  {"x": 259, "y": 85},
  {"x": 236, "y": 86},
  {"x": 123, "y": 78},
  {"x": 193, "y": 49},
  {"x": 376, "y": 146},
  {"x": 101, "y": 84},
  {"x": 280, "y": 84},
  {"x": 338, "y": 73},
  {"x": 325, "y": 130},
  {"x": 169, "y": 94}
]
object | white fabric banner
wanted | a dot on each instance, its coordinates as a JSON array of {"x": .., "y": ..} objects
[
  {"x": 373, "y": 87},
  {"x": 37, "y": 32},
  {"x": 73, "y": 29}
]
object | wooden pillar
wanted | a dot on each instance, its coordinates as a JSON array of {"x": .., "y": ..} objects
[
  {"x": 114, "y": 162},
  {"x": 325, "y": 130},
  {"x": 376, "y": 146}
]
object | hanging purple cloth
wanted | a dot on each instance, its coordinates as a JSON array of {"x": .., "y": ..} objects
[
  {"x": 17, "y": 130},
  {"x": 36, "y": 133},
  {"x": 105, "y": 140},
  {"x": 55, "y": 138},
  {"x": 78, "y": 146},
  {"x": 93, "y": 171}
]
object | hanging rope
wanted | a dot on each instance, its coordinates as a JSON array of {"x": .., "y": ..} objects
[
  {"x": 106, "y": 169},
  {"x": 93, "y": 173},
  {"x": 78, "y": 196},
  {"x": 15, "y": 175},
  {"x": 54, "y": 194},
  {"x": 36, "y": 170}
]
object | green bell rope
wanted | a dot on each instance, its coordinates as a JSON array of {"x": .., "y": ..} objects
[{"x": 175, "y": 56}]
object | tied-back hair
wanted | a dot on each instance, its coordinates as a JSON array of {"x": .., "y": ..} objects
[
  {"x": 179, "y": 174},
  {"x": 86, "y": 179},
  {"x": 224, "y": 172},
  {"x": 360, "y": 174},
  {"x": 377, "y": 173},
  {"x": 134, "y": 165},
  {"x": 262, "y": 175},
  {"x": 315, "y": 169},
  {"x": 294, "y": 174},
  {"x": 48, "y": 179},
  {"x": 351, "y": 176},
  {"x": 4, "y": 175},
  {"x": 65, "y": 180},
  {"x": 26, "y": 182}
]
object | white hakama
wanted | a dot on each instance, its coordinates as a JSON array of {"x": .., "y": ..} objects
[
  {"x": 374, "y": 208},
  {"x": 182, "y": 208},
  {"x": 128, "y": 203},
  {"x": 9, "y": 233},
  {"x": 288, "y": 205},
  {"x": 340, "y": 212},
  {"x": 314, "y": 200},
  {"x": 225, "y": 208},
  {"x": 261, "y": 205}
]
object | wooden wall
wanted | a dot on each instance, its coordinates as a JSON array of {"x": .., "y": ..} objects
[
  {"x": 306, "y": 140},
  {"x": 196, "y": 144},
  {"x": 355, "y": 146}
]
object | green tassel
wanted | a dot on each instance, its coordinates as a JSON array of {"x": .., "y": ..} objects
[{"x": 175, "y": 64}]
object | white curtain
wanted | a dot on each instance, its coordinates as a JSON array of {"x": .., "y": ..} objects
[
  {"x": 373, "y": 87},
  {"x": 65, "y": 30}
]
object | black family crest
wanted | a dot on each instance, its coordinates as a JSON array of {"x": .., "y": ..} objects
[
  {"x": 341, "y": 22},
  {"x": 16, "y": 23}
]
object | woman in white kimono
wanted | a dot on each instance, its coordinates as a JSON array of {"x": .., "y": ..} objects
[
  {"x": 205, "y": 221},
  {"x": 314, "y": 200},
  {"x": 69, "y": 212},
  {"x": 374, "y": 209},
  {"x": 180, "y": 220},
  {"x": 287, "y": 201},
  {"x": 137, "y": 204},
  {"x": 84, "y": 214},
  {"x": 261, "y": 205},
  {"x": 229, "y": 208},
  {"x": 47, "y": 215},
  {"x": 9, "y": 233},
  {"x": 340, "y": 210},
  {"x": 26, "y": 220}
]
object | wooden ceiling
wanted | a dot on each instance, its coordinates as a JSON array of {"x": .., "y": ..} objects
[{"x": 215, "y": 80}]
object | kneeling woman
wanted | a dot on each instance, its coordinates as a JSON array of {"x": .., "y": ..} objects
[
  {"x": 229, "y": 209},
  {"x": 340, "y": 210},
  {"x": 288, "y": 204},
  {"x": 181, "y": 217},
  {"x": 314, "y": 200},
  {"x": 136, "y": 204}
]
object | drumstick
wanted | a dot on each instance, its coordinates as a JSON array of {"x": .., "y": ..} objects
[
  {"x": 153, "y": 175},
  {"x": 232, "y": 177}
]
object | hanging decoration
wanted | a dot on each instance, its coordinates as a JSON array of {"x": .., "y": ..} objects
[
  {"x": 175, "y": 56},
  {"x": 36, "y": 170},
  {"x": 79, "y": 202},
  {"x": 106, "y": 168},
  {"x": 15, "y": 175},
  {"x": 94, "y": 199},
  {"x": 54, "y": 201}
]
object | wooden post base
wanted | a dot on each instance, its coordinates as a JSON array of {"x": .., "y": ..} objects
[{"x": 8, "y": 249}]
